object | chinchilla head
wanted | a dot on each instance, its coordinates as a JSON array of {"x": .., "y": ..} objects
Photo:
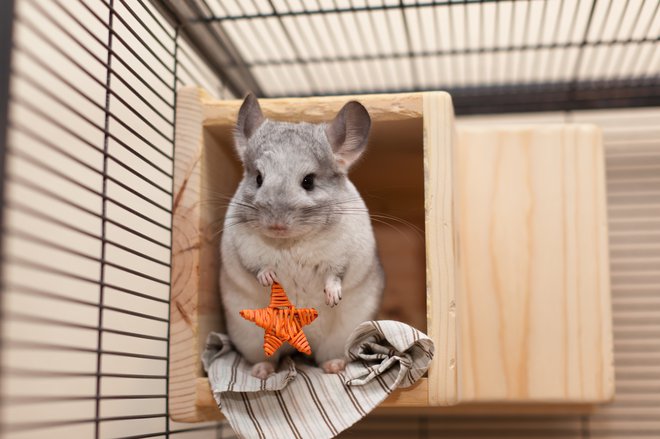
[{"x": 294, "y": 181}]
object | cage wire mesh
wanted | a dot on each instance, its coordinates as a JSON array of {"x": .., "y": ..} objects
[
  {"x": 492, "y": 56},
  {"x": 87, "y": 218},
  {"x": 88, "y": 162}
]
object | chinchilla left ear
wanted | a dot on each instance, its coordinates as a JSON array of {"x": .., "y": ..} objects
[{"x": 250, "y": 118}]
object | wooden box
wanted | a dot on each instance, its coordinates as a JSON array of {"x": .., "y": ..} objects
[{"x": 498, "y": 250}]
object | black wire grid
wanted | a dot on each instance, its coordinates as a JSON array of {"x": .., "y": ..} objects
[
  {"x": 492, "y": 56},
  {"x": 92, "y": 111},
  {"x": 87, "y": 130}
]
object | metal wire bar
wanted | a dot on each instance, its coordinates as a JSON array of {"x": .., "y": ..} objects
[
  {"x": 118, "y": 58},
  {"x": 27, "y": 290},
  {"x": 18, "y": 126},
  {"x": 43, "y": 141},
  {"x": 39, "y": 61},
  {"x": 332, "y": 43},
  {"x": 636, "y": 57},
  {"x": 473, "y": 51},
  {"x": 547, "y": 97},
  {"x": 19, "y": 207},
  {"x": 54, "y": 171},
  {"x": 633, "y": 26},
  {"x": 594, "y": 53},
  {"x": 361, "y": 34},
  {"x": 234, "y": 58},
  {"x": 607, "y": 60},
  {"x": 308, "y": 75},
  {"x": 36, "y": 345},
  {"x": 56, "y": 322},
  {"x": 555, "y": 37},
  {"x": 35, "y": 58},
  {"x": 335, "y": 40},
  {"x": 304, "y": 41},
  {"x": 67, "y": 274},
  {"x": 40, "y": 425},
  {"x": 156, "y": 19},
  {"x": 84, "y": 117},
  {"x": 32, "y": 373},
  {"x": 6, "y": 41},
  {"x": 525, "y": 34},
  {"x": 170, "y": 279},
  {"x": 335, "y": 10},
  {"x": 262, "y": 43},
  {"x": 172, "y": 432},
  {"x": 40, "y": 399},
  {"x": 466, "y": 37},
  {"x": 519, "y": 63},
  {"x": 128, "y": 47},
  {"x": 145, "y": 28}
]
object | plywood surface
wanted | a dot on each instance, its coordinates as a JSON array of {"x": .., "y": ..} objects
[{"x": 535, "y": 315}]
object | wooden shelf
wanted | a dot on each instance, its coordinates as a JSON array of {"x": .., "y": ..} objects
[{"x": 511, "y": 276}]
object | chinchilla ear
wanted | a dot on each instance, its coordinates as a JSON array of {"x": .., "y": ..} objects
[
  {"x": 250, "y": 118},
  {"x": 348, "y": 133}
]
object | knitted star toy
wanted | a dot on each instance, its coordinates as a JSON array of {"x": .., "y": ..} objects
[{"x": 282, "y": 322}]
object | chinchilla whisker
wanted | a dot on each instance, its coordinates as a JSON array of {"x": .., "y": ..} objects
[
  {"x": 217, "y": 193},
  {"x": 418, "y": 230},
  {"x": 228, "y": 226},
  {"x": 223, "y": 203},
  {"x": 230, "y": 217},
  {"x": 382, "y": 217},
  {"x": 334, "y": 203},
  {"x": 393, "y": 227}
]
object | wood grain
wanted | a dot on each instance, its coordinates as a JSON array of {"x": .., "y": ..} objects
[
  {"x": 441, "y": 267},
  {"x": 195, "y": 307},
  {"x": 383, "y": 107},
  {"x": 534, "y": 316}
]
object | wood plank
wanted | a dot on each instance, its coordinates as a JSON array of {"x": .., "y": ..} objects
[
  {"x": 535, "y": 317},
  {"x": 381, "y": 107},
  {"x": 195, "y": 308},
  {"x": 441, "y": 295}
]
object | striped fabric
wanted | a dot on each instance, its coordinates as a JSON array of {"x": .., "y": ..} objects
[{"x": 300, "y": 401}]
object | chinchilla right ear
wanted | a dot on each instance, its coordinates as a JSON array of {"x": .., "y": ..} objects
[
  {"x": 348, "y": 134},
  {"x": 249, "y": 119}
]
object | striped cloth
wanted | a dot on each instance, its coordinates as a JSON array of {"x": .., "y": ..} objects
[{"x": 300, "y": 401}]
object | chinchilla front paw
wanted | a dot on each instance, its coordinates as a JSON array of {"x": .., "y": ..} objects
[
  {"x": 332, "y": 292},
  {"x": 267, "y": 277}
]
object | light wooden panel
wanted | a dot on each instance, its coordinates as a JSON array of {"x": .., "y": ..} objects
[
  {"x": 382, "y": 107},
  {"x": 195, "y": 308},
  {"x": 440, "y": 246},
  {"x": 534, "y": 307}
]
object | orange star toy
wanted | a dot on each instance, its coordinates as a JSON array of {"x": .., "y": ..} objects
[{"x": 282, "y": 322}]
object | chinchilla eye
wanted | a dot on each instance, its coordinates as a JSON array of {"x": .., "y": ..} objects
[
  {"x": 308, "y": 182},
  {"x": 260, "y": 179}
]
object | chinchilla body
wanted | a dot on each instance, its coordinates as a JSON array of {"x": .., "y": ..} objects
[{"x": 297, "y": 219}]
